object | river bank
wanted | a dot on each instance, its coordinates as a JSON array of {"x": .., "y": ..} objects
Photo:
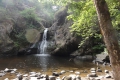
[{"x": 98, "y": 73}]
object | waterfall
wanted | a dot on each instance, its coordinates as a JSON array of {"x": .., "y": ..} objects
[{"x": 43, "y": 45}]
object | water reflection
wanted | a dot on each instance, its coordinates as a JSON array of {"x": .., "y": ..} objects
[{"x": 41, "y": 62}]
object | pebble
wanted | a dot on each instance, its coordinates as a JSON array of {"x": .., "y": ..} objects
[
  {"x": 67, "y": 78},
  {"x": 55, "y": 74},
  {"x": 71, "y": 71},
  {"x": 92, "y": 75},
  {"x": 25, "y": 75},
  {"x": 7, "y": 70},
  {"x": 63, "y": 71},
  {"x": 107, "y": 76},
  {"x": 78, "y": 77},
  {"x": 106, "y": 71},
  {"x": 73, "y": 76},
  {"x": 20, "y": 76},
  {"x": 32, "y": 73},
  {"x": 78, "y": 73},
  {"x": 52, "y": 78},
  {"x": 6, "y": 79},
  {"x": 12, "y": 72},
  {"x": 2, "y": 74},
  {"x": 58, "y": 78},
  {"x": 93, "y": 69}
]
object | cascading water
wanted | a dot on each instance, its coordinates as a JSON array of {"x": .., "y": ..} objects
[{"x": 43, "y": 45}]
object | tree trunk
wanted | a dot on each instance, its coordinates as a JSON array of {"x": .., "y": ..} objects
[{"x": 109, "y": 36}]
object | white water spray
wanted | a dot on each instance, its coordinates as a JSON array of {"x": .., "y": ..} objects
[{"x": 43, "y": 45}]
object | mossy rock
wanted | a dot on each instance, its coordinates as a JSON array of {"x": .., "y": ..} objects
[{"x": 32, "y": 35}]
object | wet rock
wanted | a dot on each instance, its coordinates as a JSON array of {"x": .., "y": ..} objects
[
  {"x": 38, "y": 74},
  {"x": 98, "y": 69},
  {"x": 33, "y": 78},
  {"x": 44, "y": 76},
  {"x": 78, "y": 77},
  {"x": 2, "y": 74},
  {"x": 92, "y": 69},
  {"x": 85, "y": 58},
  {"x": 12, "y": 72},
  {"x": 52, "y": 78},
  {"x": 98, "y": 78},
  {"x": 63, "y": 77},
  {"x": 42, "y": 79},
  {"x": 2, "y": 71},
  {"x": 47, "y": 77},
  {"x": 20, "y": 76},
  {"x": 25, "y": 75},
  {"x": 26, "y": 78},
  {"x": 63, "y": 71},
  {"x": 73, "y": 76},
  {"x": 7, "y": 70},
  {"x": 92, "y": 75},
  {"x": 111, "y": 74},
  {"x": 84, "y": 71},
  {"x": 6, "y": 79},
  {"x": 106, "y": 71},
  {"x": 55, "y": 74},
  {"x": 71, "y": 71},
  {"x": 68, "y": 78},
  {"x": 107, "y": 76},
  {"x": 77, "y": 73},
  {"x": 58, "y": 78},
  {"x": 32, "y": 73}
]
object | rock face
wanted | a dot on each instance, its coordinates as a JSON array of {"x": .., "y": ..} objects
[
  {"x": 6, "y": 43},
  {"x": 63, "y": 41},
  {"x": 20, "y": 25}
]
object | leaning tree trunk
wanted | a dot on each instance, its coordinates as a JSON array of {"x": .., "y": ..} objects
[{"x": 109, "y": 36}]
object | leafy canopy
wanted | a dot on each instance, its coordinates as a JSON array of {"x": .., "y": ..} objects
[{"x": 84, "y": 17}]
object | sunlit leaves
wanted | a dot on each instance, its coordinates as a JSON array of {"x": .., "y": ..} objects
[
  {"x": 84, "y": 19},
  {"x": 114, "y": 8}
]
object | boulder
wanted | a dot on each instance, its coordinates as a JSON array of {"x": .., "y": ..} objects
[
  {"x": 55, "y": 74},
  {"x": 20, "y": 76},
  {"x": 77, "y": 73},
  {"x": 85, "y": 58},
  {"x": 68, "y": 78},
  {"x": 2, "y": 74},
  {"x": 106, "y": 71},
  {"x": 92, "y": 75},
  {"x": 52, "y": 78},
  {"x": 63, "y": 71},
  {"x": 73, "y": 76},
  {"x": 78, "y": 77},
  {"x": 107, "y": 76}
]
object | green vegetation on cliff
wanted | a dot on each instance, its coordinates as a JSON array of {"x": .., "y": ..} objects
[{"x": 23, "y": 15}]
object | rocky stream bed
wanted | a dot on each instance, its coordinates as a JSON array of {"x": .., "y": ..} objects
[{"x": 97, "y": 73}]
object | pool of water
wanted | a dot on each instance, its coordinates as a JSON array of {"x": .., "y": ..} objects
[
  {"x": 45, "y": 63},
  {"x": 42, "y": 62}
]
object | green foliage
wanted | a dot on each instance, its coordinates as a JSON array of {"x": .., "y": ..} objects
[
  {"x": 20, "y": 40},
  {"x": 85, "y": 22},
  {"x": 84, "y": 19},
  {"x": 30, "y": 14},
  {"x": 114, "y": 7}
]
